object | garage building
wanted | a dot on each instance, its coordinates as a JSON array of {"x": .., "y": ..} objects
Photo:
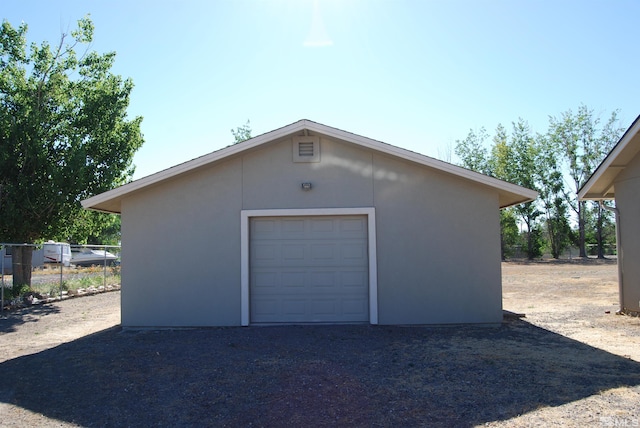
[{"x": 311, "y": 224}]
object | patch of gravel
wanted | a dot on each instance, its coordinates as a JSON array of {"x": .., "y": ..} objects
[{"x": 517, "y": 374}]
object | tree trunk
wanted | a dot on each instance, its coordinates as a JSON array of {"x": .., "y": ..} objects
[
  {"x": 21, "y": 263},
  {"x": 581, "y": 231},
  {"x": 528, "y": 222},
  {"x": 502, "y": 244},
  {"x": 599, "y": 227},
  {"x": 553, "y": 239}
]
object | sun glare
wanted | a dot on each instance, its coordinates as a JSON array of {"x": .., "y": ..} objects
[{"x": 318, "y": 36}]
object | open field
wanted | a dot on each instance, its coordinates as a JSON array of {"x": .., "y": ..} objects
[{"x": 571, "y": 361}]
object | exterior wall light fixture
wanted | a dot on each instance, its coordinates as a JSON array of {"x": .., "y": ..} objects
[{"x": 306, "y": 186}]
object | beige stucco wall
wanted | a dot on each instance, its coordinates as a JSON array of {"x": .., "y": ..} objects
[
  {"x": 627, "y": 190},
  {"x": 438, "y": 249}
]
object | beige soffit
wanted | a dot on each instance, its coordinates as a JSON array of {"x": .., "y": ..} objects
[
  {"x": 510, "y": 194},
  {"x": 601, "y": 183}
]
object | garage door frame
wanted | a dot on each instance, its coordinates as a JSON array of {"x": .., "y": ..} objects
[{"x": 246, "y": 215}]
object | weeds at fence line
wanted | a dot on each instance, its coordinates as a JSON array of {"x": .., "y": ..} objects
[{"x": 90, "y": 269}]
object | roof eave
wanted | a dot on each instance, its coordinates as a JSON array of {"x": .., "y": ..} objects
[
  {"x": 94, "y": 202},
  {"x": 531, "y": 196},
  {"x": 598, "y": 175},
  {"x": 99, "y": 202},
  {"x": 526, "y": 194}
]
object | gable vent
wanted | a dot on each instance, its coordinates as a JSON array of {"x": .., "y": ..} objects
[{"x": 306, "y": 149}]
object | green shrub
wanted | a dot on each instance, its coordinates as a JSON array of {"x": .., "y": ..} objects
[{"x": 19, "y": 290}]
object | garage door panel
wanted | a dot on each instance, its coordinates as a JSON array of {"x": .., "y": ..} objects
[
  {"x": 265, "y": 253},
  {"x": 326, "y": 307},
  {"x": 291, "y": 228},
  {"x": 292, "y": 307},
  {"x": 309, "y": 269},
  {"x": 354, "y": 279},
  {"x": 322, "y": 226},
  {"x": 266, "y": 308},
  {"x": 266, "y": 280},
  {"x": 263, "y": 226},
  {"x": 320, "y": 279},
  {"x": 292, "y": 252},
  {"x": 324, "y": 277},
  {"x": 323, "y": 253},
  {"x": 353, "y": 253},
  {"x": 310, "y": 309},
  {"x": 293, "y": 280},
  {"x": 351, "y": 225},
  {"x": 354, "y": 307}
]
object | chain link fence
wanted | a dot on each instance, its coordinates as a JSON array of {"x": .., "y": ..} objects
[{"x": 58, "y": 271}]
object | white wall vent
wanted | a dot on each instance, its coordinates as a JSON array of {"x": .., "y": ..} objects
[{"x": 306, "y": 149}]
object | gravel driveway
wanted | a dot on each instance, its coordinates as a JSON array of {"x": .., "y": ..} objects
[{"x": 55, "y": 373}]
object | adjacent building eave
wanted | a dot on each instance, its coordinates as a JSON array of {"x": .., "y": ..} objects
[
  {"x": 509, "y": 194},
  {"x": 600, "y": 185}
]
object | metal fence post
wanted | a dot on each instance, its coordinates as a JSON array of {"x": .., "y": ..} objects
[
  {"x": 104, "y": 270},
  {"x": 61, "y": 267}
]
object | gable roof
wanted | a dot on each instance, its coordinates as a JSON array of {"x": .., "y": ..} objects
[
  {"x": 600, "y": 184},
  {"x": 510, "y": 194}
]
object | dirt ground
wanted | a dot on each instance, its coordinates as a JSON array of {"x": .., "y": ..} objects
[
  {"x": 575, "y": 300},
  {"x": 570, "y": 361},
  {"x": 579, "y": 301}
]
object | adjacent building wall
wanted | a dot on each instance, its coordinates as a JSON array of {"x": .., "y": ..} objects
[
  {"x": 437, "y": 236},
  {"x": 627, "y": 190}
]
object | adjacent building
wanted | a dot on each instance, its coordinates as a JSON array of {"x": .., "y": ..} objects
[{"x": 618, "y": 178}]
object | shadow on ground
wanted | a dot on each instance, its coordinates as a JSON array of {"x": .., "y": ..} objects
[
  {"x": 311, "y": 375},
  {"x": 13, "y": 318}
]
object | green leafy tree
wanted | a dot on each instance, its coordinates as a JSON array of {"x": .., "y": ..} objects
[
  {"x": 524, "y": 166},
  {"x": 551, "y": 195},
  {"x": 242, "y": 133},
  {"x": 509, "y": 234},
  {"x": 583, "y": 146},
  {"x": 512, "y": 158},
  {"x": 64, "y": 134},
  {"x": 473, "y": 153},
  {"x": 609, "y": 135},
  {"x": 600, "y": 230},
  {"x": 93, "y": 228},
  {"x": 501, "y": 166},
  {"x": 502, "y": 158}
]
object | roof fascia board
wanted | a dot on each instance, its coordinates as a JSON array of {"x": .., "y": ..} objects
[
  {"x": 423, "y": 160},
  {"x": 193, "y": 164},
  {"x": 609, "y": 160},
  {"x": 315, "y": 127}
]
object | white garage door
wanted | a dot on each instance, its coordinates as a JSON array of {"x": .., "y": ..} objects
[{"x": 309, "y": 269}]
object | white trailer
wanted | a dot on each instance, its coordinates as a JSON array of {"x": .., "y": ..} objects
[
  {"x": 51, "y": 252},
  {"x": 56, "y": 252}
]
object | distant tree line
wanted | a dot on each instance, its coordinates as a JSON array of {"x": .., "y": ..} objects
[{"x": 555, "y": 163}]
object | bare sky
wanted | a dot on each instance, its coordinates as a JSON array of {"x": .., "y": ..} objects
[{"x": 415, "y": 74}]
